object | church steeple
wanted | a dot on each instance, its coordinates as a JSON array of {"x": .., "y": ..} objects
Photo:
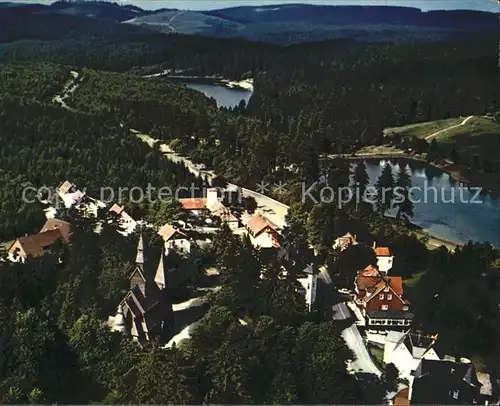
[
  {"x": 139, "y": 259},
  {"x": 160, "y": 275}
]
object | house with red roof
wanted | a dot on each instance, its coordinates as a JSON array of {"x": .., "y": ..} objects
[
  {"x": 262, "y": 232},
  {"x": 213, "y": 205},
  {"x": 384, "y": 258},
  {"x": 34, "y": 246},
  {"x": 174, "y": 239},
  {"x": 380, "y": 299},
  {"x": 127, "y": 223}
]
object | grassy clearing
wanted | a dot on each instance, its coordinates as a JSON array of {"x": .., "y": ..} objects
[
  {"x": 379, "y": 150},
  {"x": 476, "y": 126},
  {"x": 421, "y": 130}
]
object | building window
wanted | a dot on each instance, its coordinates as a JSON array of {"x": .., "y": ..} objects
[
  {"x": 386, "y": 289},
  {"x": 381, "y": 297},
  {"x": 389, "y": 297},
  {"x": 385, "y": 307},
  {"x": 455, "y": 394}
]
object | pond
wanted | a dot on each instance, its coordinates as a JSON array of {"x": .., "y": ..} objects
[
  {"x": 224, "y": 96},
  {"x": 444, "y": 208}
]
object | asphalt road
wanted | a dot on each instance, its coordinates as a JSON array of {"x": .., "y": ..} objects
[{"x": 362, "y": 362}]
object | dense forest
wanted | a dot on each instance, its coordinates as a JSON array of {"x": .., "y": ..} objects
[
  {"x": 55, "y": 347},
  {"x": 44, "y": 145}
]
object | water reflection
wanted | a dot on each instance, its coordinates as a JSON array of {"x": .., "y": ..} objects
[{"x": 445, "y": 208}]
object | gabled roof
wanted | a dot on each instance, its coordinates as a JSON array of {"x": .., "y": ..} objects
[
  {"x": 139, "y": 259},
  {"x": 382, "y": 252},
  {"x": 160, "y": 275},
  {"x": 63, "y": 226},
  {"x": 65, "y": 187},
  {"x": 258, "y": 224},
  {"x": 193, "y": 203},
  {"x": 34, "y": 245},
  {"x": 167, "y": 232},
  {"x": 117, "y": 209},
  {"x": 394, "y": 283},
  {"x": 138, "y": 269},
  {"x": 370, "y": 270}
]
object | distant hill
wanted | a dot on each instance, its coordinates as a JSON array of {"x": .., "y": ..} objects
[
  {"x": 290, "y": 23},
  {"x": 282, "y": 24}
]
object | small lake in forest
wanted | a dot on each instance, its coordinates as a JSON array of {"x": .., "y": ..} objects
[
  {"x": 225, "y": 96},
  {"x": 442, "y": 207}
]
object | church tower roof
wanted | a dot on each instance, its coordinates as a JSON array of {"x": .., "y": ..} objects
[
  {"x": 160, "y": 275},
  {"x": 139, "y": 259}
]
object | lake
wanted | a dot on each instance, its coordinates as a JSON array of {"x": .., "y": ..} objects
[
  {"x": 441, "y": 210},
  {"x": 223, "y": 95}
]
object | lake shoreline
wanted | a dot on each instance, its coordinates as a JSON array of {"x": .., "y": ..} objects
[
  {"x": 459, "y": 173},
  {"x": 243, "y": 84}
]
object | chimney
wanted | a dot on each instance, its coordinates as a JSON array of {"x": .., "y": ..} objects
[
  {"x": 374, "y": 244},
  {"x": 212, "y": 197}
]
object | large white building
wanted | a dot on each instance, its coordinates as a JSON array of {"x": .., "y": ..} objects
[{"x": 406, "y": 349}]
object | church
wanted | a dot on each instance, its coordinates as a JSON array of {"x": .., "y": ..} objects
[{"x": 146, "y": 311}]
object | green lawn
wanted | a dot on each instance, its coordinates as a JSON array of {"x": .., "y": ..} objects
[
  {"x": 421, "y": 130},
  {"x": 477, "y": 137}
]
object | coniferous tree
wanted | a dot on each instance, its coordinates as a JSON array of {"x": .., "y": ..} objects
[
  {"x": 385, "y": 190},
  {"x": 361, "y": 179},
  {"x": 403, "y": 200}
]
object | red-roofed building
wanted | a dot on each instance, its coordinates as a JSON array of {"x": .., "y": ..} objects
[
  {"x": 262, "y": 232},
  {"x": 127, "y": 223},
  {"x": 174, "y": 239},
  {"x": 380, "y": 300},
  {"x": 34, "y": 246},
  {"x": 384, "y": 258},
  {"x": 195, "y": 204}
]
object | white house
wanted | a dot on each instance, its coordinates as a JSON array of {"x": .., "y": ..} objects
[
  {"x": 127, "y": 223},
  {"x": 345, "y": 241},
  {"x": 308, "y": 278},
  {"x": 406, "y": 349},
  {"x": 174, "y": 239},
  {"x": 384, "y": 258},
  {"x": 69, "y": 195}
]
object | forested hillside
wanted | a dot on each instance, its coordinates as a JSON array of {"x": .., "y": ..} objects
[{"x": 327, "y": 98}]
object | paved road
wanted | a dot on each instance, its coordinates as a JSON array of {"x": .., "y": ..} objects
[{"x": 363, "y": 362}]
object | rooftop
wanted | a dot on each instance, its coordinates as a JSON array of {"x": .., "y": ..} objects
[
  {"x": 34, "y": 245},
  {"x": 193, "y": 203},
  {"x": 56, "y": 224},
  {"x": 258, "y": 223},
  {"x": 382, "y": 252}
]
